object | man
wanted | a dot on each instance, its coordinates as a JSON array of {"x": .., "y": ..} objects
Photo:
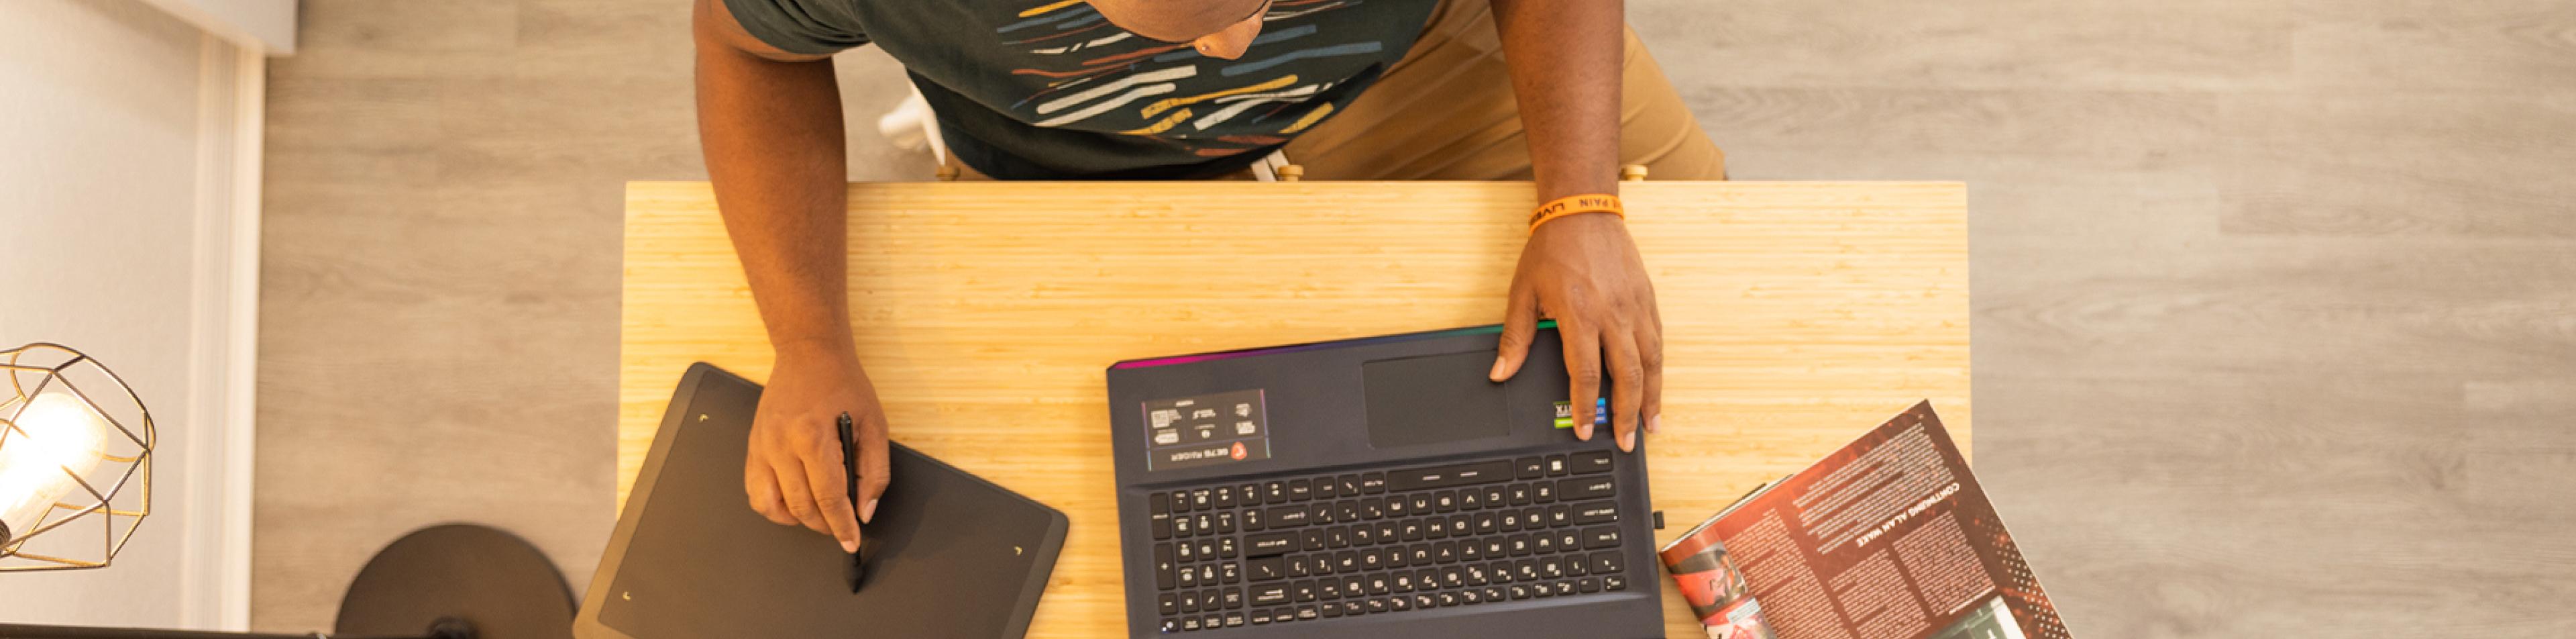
[{"x": 1180, "y": 89}]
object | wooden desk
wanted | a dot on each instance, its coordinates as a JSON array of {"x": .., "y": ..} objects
[{"x": 1796, "y": 316}]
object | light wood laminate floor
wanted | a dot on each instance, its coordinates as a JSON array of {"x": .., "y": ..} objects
[{"x": 2275, "y": 303}]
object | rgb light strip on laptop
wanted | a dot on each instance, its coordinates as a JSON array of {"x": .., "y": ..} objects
[{"x": 1204, "y": 357}]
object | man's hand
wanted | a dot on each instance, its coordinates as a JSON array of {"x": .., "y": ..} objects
[
  {"x": 793, "y": 473},
  {"x": 1584, "y": 271}
]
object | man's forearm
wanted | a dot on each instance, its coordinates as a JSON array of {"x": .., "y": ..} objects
[
  {"x": 772, "y": 135},
  {"x": 1565, "y": 58}
]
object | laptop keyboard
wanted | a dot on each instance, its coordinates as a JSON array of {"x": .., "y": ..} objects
[{"x": 1464, "y": 534}]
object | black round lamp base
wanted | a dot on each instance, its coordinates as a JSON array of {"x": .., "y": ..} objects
[{"x": 458, "y": 581}]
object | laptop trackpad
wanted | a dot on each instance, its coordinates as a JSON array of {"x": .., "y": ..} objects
[{"x": 1432, "y": 399}]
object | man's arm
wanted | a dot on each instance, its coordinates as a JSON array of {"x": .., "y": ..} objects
[
  {"x": 1565, "y": 62},
  {"x": 770, "y": 125},
  {"x": 1565, "y": 58}
]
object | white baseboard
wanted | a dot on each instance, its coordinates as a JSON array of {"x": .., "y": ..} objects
[{"x": 215, "y": 578}]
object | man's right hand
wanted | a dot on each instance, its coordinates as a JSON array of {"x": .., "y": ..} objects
[{"x": 793, "y": 473}]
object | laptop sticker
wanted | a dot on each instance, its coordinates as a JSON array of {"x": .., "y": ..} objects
[
  {"x": 1206, "y": 430},
  {"x": 1600, "y": 413}
]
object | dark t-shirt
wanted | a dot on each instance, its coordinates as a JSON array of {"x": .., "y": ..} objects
[{"x": 1048, "y": 89}]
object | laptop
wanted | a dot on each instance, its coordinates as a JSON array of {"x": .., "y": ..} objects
[{"x": 1378, "y": 486}]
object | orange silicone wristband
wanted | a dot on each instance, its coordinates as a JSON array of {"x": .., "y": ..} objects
[{"x": 1576, "y": 205}]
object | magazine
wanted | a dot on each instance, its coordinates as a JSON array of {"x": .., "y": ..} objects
[{"x": 1888, "y": 538}]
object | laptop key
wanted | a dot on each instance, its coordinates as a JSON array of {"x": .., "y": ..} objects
[
  {"x": 1449, "y": 476},
  {"x": 1599, "y": 512},
  {"x": 1527, "y": 468},
  {"x": 1267, "y": 569},
  {"x": 1585, "y": 488},
  {"x": 1270, "y": 544},
  {"x": 1597, "y": 461},
  {"x": 1608, "y": 562},
  {"x": 1270, "y": 594},
  {"x": 1163, "y": 566},
  {"x": 1601, "y": 537},
  {"x": 1614, "y": 584},
  {"x": 1160, "y": 516}
]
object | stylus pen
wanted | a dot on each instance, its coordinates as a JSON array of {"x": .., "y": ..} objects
[{"x": 850, "y": 465}]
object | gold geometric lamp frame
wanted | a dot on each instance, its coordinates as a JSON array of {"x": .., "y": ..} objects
[
  {"x": 76, "y": 480},
  {"x": 75, "y": 460}
]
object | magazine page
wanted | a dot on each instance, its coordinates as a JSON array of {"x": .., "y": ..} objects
[{"x": 1888, "y": 538}]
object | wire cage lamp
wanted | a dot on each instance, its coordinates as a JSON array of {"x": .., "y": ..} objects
[
  {"x": 75, "y": 460},
  {"x": 76, "y": 482}
]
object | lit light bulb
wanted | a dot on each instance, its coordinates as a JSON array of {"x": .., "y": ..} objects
[{"x": 57, "y": 437}]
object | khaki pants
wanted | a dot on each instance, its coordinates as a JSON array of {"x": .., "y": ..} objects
[{"x": 1446, "y": 112}]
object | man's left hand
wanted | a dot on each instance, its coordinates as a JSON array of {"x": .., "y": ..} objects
[{"x": 1584, "y": 271}]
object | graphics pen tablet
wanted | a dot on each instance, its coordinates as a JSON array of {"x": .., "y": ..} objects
[{"x": 950, "y": 555}]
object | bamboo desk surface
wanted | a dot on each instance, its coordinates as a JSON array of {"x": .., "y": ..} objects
[{"x": 1797, "y": 315}]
